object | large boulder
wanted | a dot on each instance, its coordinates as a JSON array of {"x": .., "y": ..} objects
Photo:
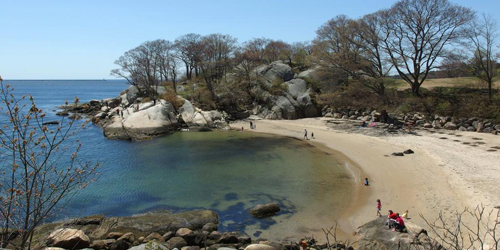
[
  {"x": 132, "y": 94},
  {"x": 293, "y": 103},
  {"x": 259, "y": 247},
  {"x": 450, "y": 126},
  {"x": 296, "y": 87},
  {"x": 276, "y": 71},
  {"x": 195, "y": 117},
  {"x": 310, "y": 73},
  {"x": 375, "y": 235},
  {"x": 176, "y": 242},
  {"x": 102, "y": 244},
  {"x": 148, "y": 122},
  {"x": 265, "y": 210},
  {"x": 166, "y": 222},
  {"x": 152, "y": 245},
  {"x": 68, "y": 238}
]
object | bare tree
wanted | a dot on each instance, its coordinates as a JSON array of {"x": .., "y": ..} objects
[
  {"x": 334, "y": 46},
  {"x": 276, "y": 50},
  {"x": 257, "y": 48},
  {"x": 416, "y": 33},
  {"x": 468, "y": 229},
  {"x": 454, "y": 64},
  {"x": 141, "y": 66},
  {"x": 41, "y": 170},
  {"x": 376, "y": 64},
  {"x": 189, "y": 48},
  {"x": 168, "y": 63},
  {"x": 482, "y": 36},
  {"x": 215, "y": 61},
  {"x": 245, "y": 62}
]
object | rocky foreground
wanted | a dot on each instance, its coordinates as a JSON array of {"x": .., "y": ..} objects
[{"x": 197, "y": 230}]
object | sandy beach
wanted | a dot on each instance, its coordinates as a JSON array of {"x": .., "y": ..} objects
[{"x": 450, "y": 170}]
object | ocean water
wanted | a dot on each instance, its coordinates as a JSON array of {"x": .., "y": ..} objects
[{"x": 226, "y": 171}]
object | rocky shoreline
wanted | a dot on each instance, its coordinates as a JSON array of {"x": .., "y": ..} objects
[
  {"x": 130, "y": 117},
  {"x": 198, "y": 230}
]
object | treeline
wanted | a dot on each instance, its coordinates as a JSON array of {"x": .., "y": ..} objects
[
  {"x": 208, "y": 57},
  {"x": 413, "y": 39}
]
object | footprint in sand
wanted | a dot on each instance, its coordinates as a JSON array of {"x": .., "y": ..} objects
[
  {"x": 473, "y": 145},
  {"x": 456, "y": 140},
  {"x": 443, "y": 138},
  {"x": 458, "y": 135},
  {"x": 496, "y": 147},
  {"x": 491, "y": 150},
  {"x": 476, "y": 138},
  {"x": 466, "y": 143},
  {"x": 480, "y": 142}
]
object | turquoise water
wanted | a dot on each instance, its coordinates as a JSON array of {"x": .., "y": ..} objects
[{"x": 226, "y": 171}]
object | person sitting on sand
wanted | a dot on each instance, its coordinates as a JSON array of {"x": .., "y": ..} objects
[
  {"x": 399, "y": 224},
  {"x": 367, "y": 183}
]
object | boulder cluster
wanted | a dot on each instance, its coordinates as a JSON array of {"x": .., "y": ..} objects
[
  {"x": 472, "y": 124},
  {"x": 131, "y": 117},
  {"x": 296, "y": 101},
  {"x": 374, "y": 235},
  {"x": 193, "y": 230},
  {"x": 198, "y": 230}
]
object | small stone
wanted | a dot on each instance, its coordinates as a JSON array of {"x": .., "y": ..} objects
[{"x": 408, "y": 151}]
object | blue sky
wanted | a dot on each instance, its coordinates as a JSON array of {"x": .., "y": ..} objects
[{"x": 82, "y": 39}]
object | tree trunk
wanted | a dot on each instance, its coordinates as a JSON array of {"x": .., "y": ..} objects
[
  {"x": 187, "y": 71},
  {"x": 415, "y": 88},
  {"x": 489, "y": 89}
]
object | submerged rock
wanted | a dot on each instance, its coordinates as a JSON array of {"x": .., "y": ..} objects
[{"x": 265, "y": 210}]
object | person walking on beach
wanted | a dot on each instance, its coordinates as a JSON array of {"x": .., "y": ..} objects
[
  {"x": 305, "y": 134},
  {"x": 379, "y": 207},
  {"x": 312, "y": 135},
  {"x": 251, "y": 125}
]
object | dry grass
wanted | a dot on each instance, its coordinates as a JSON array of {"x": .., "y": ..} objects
[{"x": 459, "y": 82}]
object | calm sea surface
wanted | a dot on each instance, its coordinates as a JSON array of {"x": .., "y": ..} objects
[{"x": 228, "y": 172}]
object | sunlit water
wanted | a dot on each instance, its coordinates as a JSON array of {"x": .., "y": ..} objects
[{"x": 228, "y": 172}]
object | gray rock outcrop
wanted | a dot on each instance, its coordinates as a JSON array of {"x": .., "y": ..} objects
[
  {"x": 275, "y": 71},
  {"x": 197, "y": 118},
  {"x": 143, "y": 124},
  {"x": 375, "y": 235}
]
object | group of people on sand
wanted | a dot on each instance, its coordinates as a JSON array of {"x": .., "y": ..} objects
[
  {"x": 394, "y": 220},
  {"x": 305, "y": 135}
]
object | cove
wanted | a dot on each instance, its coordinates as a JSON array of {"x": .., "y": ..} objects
[{"x": 228, "y": 172}]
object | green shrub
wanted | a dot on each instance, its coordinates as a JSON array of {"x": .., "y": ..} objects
[{"x": 278, "y": 87}]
